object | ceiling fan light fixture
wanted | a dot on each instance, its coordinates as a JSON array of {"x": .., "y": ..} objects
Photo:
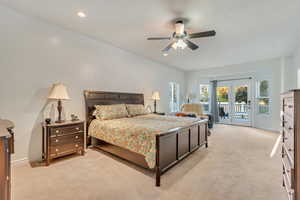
[
  {"x": 179, "y": 28},
  {"x": 181, "y": 44}
]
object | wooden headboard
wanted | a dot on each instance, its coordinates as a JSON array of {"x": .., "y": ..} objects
[{"x": 93, "y": 98}]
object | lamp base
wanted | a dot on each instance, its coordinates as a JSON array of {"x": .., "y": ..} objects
[{"x": 59, "y": 108}]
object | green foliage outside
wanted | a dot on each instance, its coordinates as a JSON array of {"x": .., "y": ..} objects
[
  {"x": 263, "y": 89},
  {"x": 241, "y": 94},
  {"x": 222, "y": 94}
]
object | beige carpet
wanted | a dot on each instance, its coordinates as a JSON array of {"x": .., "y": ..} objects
[{"x": 236, "y": 166}]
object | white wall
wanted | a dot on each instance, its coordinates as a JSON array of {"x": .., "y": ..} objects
[
  {"x": 260, "y": 70},
  {"x": 34, "y": 55},
  {"x": 296, "y": 63},
  {"x": 289, "y": 74}
]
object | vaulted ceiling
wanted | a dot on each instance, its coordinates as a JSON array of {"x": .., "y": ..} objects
[{"x": 246, "y": 30}]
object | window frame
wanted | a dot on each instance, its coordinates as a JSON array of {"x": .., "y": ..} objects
[
  {"x": 258, "y": 97},
  {"x": 172, "y": 106},
  {"x": 201, "y": 85}
]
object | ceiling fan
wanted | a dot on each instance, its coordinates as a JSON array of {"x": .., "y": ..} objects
[{"x": 180, "y": 38}]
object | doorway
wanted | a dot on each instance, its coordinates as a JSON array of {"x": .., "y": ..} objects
[{"x": 234, "y": 102}]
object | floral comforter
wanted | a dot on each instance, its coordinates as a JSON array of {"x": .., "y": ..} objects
[{"x": 138, "y": 133}]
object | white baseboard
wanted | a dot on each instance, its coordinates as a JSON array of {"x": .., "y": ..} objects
[{"x": 19, "y": 162}]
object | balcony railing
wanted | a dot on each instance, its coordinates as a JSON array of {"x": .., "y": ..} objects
[{"x": 240, "y": 110}]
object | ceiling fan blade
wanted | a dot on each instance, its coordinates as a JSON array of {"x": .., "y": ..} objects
[
  {"x": 169, "y": 47},
  {"x": 191, "y": 45},
  {"x": 202, "y": 34},
  {"x": 159, "y": 38}
]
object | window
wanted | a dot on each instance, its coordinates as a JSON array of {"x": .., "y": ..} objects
[
  {"x": 174, "y": 97},
  {"x": 263, "y": 97},
  {"x": 204, "y": 97}
]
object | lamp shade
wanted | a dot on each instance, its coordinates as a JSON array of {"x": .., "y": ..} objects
[
  {"x": 59, "y": 91},
  {"x": 155, "y": 96}
]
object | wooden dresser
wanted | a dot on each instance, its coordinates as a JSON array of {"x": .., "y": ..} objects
[
  {"x": 6, "y": 148},
  {"x": 61, "y": 139},
  {"x": 290, "y": 118}
]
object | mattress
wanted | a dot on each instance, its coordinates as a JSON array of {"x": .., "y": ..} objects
[{"x": 138, "y": 133}]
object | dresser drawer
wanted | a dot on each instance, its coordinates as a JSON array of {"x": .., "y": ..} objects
[
  {"x": 65, "y": 149},
  {"x": 289, "y": 191},
  {"x": 289, "y": 153},
  {"x": 288, "y": 106},
  {"x": 67, "y": 139},
  {"x": 289, "y": 171},
  {"x": 65, "y": 130},
  {"x": 288, "y": 140},
  {"x": 288, "y": 121}
]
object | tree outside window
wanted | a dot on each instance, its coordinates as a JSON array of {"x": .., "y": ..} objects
[
  {"x": 241, "y": 94},
  {"x": 222, "y": 94}
]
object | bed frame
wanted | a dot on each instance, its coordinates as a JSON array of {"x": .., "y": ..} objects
[{"x": 171, "y": 146}]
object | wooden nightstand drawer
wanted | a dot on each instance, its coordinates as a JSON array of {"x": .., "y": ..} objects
[
  {"x": 65, "y": 149},
  {"x": 66, "y": 139},
  {"x": 65, "y": 130}
]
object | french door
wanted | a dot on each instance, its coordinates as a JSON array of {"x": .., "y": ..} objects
[{"x": 234, "y": 102}]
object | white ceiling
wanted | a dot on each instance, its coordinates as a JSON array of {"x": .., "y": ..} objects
[{"x": 246, "y": 30}]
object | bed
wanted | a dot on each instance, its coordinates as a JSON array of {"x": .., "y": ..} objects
[{"x": 150, "y": 141}]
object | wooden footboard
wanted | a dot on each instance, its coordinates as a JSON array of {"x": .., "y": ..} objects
[
  {"x": 171, "y": 147},
  {"x": 175, "y": 145}
]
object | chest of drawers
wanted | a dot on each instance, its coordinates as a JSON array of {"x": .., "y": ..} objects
[
  {"x": 61, "y": 139},
  {"x": 290, "y": 122},
  {"x": 6, "y": 149}
]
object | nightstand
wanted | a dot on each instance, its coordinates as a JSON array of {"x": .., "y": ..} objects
[{"x": 61, "y": 139}]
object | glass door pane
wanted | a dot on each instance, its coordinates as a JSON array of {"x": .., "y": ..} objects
[
  {"x": 223, "y": 98},
  {"x": 241, "y": 103}
]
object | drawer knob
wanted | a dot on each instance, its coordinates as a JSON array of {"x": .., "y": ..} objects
[
  {"x": 56, "y": 140},
  {"x": 77, "y": 128},
  {"x": 76, "y": 145},
  {"x": 290, "y": 128},
  {"x": 290, "y": 106},
  {"x": 57, "y": 131},
  {"x": 290, "y": 149},
  {"x": 76, "y": 137},
  {"x": 56, "y": 150}
]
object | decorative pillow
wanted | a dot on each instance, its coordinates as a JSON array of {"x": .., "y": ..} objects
[
  {"x": 136, "y": 109},
  {"x": 105, "y": 112}
]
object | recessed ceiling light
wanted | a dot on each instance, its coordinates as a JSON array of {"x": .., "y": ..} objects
[
  {"x": 165, "y": 54},
  {"x": 81, "y": 14}
]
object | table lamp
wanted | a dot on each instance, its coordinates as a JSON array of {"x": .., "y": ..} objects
[
  {"x": 59, "y": 92},
  {"x": 155, "y": 97}
]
